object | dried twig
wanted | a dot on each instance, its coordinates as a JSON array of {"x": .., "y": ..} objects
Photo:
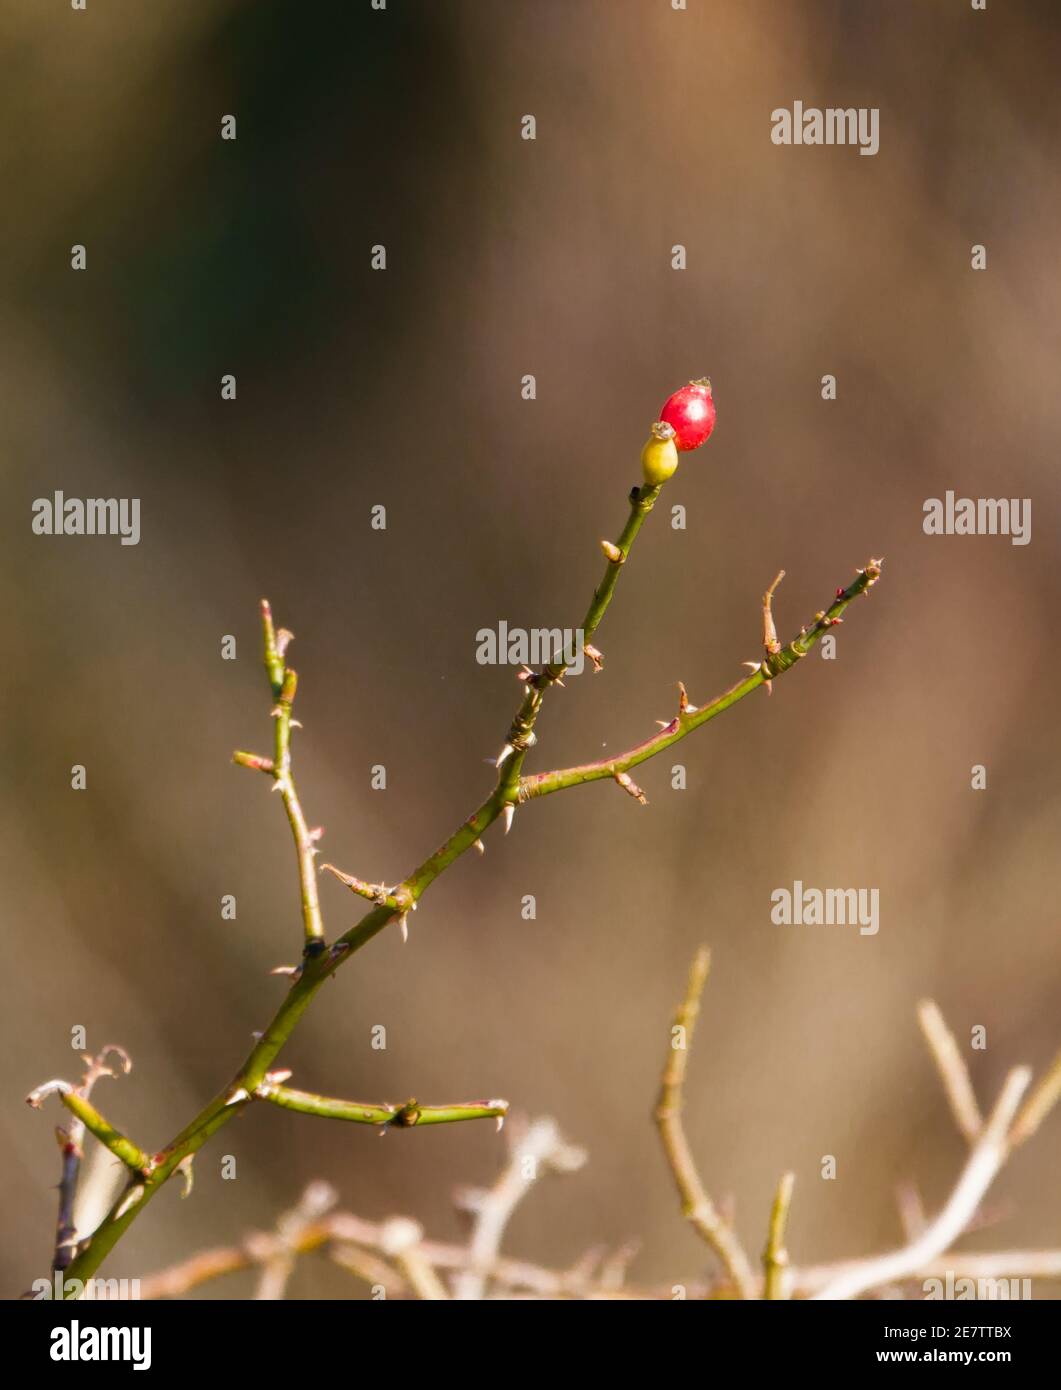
[
  {"x": 277, "y": 1254},
  {"x": 927, "y": 1252},
  {"x": 535, "y": 1149},
  {"x": 71, "y": 1140},
  {"x": 952, "y": 1069},
  {"x": 1045, "y": 1095},
  {"x": 403, "y": 1240},
  {"x": 775, "y": 1256},
  {"x": 986, "y": 1157},
  {"x": 697, "y": 1207}
]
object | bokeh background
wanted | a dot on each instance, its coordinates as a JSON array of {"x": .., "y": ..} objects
[{"x": 402, "y": 388}]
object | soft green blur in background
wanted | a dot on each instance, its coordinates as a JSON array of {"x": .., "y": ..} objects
[{"x": 402, "y": 388}]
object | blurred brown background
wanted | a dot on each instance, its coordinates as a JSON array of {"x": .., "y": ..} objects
[{"x": 508, "y": 257}]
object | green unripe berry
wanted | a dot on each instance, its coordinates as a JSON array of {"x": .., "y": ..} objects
[{"x": 659, "y": 457}]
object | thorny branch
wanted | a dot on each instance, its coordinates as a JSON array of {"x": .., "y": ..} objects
[
  {"x": 691, "y": 717},
  {"x": 393, "y": 905},
  {"x": 284, "y": 682}
]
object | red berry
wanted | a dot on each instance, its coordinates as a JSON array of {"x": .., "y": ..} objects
[{"x": 691, "y": 411}]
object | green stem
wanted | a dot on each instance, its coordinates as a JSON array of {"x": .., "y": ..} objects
[
  {"x": 108, "y": 1136},
  {"x": 375, "y": 892},
  {"x": 284, "y": 682},
  {"x": 405, "y": 1116},
  {"x": 642, "y": 500}
]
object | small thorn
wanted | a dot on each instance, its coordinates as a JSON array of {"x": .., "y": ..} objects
[
  {"x": 295, "y": 724},
  {"x": 509, "y": 815},
  {"x": 134, "y": 1195},
  {"x": 184, "y": 1168},
  {"x": 237, "y": 1097},
  {"x": 612, "y": 552},
  {"x": 631, "y": 788},
  {"x": 286, "y": 970},
  {"x": 506, "y": 752},
  {"x": 276, "y": 1078},
  {"x": 479, "y": 846},
  {"x": 770, "y": 642},
  {"x": 403, "y": 927},
  {"x": 664, "y": 723},
  {"x": 500, "y": 1123}
]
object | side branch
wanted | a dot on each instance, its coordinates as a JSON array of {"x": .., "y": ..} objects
[
  {"x": 284, "y": 682},
  {"x": 406, "y": 1116},
  {"x": 88, "y": 1117},
  {"x": 957, "y": 1083},
  {"x": 690, "y": 717}
]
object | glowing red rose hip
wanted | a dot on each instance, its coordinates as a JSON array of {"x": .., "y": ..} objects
[{"x": 691, "y": 411}]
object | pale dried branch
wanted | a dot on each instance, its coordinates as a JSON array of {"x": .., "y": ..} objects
[
  {"x": 534, "y": 1149},
  {"x": 986, "y": 1158},
  {"x": 775, "y": 1256},
  {"x": 957, "y": 1083},
  {"x": 697, "y": 1207}
]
